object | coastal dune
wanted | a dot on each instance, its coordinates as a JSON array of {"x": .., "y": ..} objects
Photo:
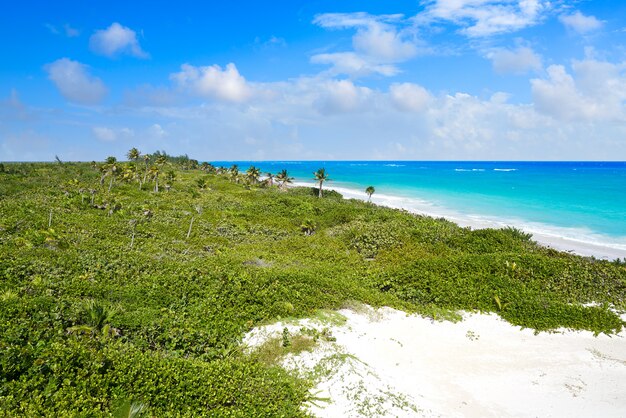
[{"x": 387, "y": 363}]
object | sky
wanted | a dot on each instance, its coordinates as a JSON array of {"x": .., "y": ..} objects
[{"x": 314, "y": 80}]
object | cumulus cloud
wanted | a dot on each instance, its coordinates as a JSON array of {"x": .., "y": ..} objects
[
  {"x": 157, "y": 131},
  {"x": 409, "y": 97},
  {"x": 479, "y": 18},
  {"x": 597, "y": 93},
  {"x": 214, "y": 82},
  {"x": 116, "y": 40},
  {"x": 341, "y": 96},
  {"x": 353, "y": 64},
  {"x": 74, "y": 81},
  {"x": 580, "y": 23},
  {"x": 377, "y": 43},
  {"x": 515, "y": 61},
  {"x": 104, "y": 133}
]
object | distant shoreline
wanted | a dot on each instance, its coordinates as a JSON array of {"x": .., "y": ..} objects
[{"x": 551, "y": 240}]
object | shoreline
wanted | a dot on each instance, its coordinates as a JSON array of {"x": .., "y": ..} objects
[{"x": 543, "y": 234}]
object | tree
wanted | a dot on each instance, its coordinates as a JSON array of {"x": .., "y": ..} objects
[
  {"x": 233, "y": 173},
  {"x": 253, "y": 174},
  {"x": 129, "y": 172},
  {"x": 154, "y": 173},
  {"x": 110, "y": 169},
  {"x": 308, "y": 227},
  {"x": 270, "y": 179},
  {"x": 321, "y": 176},
  {"x": 169, "y": 177},
  {"x": 133, "y": 154},
  {"x": 146, "y": 160},
  {"x": 370, "y": 191},
  {"x": 283, "y": 179}
]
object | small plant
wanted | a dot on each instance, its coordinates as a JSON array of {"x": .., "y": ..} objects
[
  {"x": 501, "y": 306},
  {"x": 286, "y": 337},
  {"x": 472, "y": 336},
  {"x": 96, "y": 319},
  {"x": 131, "y": 409},
  {"x": 201, "y": 183},
  {"x": 308, "y": 227}
]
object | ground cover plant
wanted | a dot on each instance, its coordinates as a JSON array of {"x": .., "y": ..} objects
[{"x": 129, "y": 285}]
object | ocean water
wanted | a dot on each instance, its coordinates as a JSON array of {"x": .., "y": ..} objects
[{"x": 580, "y": 201}]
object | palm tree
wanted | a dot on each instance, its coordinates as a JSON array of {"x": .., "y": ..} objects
[
  {"x": 133, "y": 154},
  {"x": 96, "y": 320},
  {"x": 110, "y": 169},
  {"x": 233, "y": 172},
  {"x": 370, "y": 191},
  {"x": 129, "y": 172},
  {"x": 253, "y": 174},
  {"x": 321, "y": 176},
  {"x": 160, "y": 160},
  {"x": 154, "y": 173},
  {"x": 308, "y": 227},
  {"x": 169, "y": 177},
  {"x": 146, "y": 160},
  {"x": 269, "y": 179},
  {"x": 283, "y": 179}
]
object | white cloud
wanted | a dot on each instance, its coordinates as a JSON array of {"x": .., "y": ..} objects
[
  {"x": 213, "y": 82},
  {"x": 409, "y": 97},
  {"x": 341, "y": 96},
  {"x": 53, "y": 29},
  {"x": 517, "y": 61},
  {"x": 104, "y": 134},
  {"x": 272, "y": 42},
  {"x": 70, "y": 32},
  {"x": 580, "y": 23},
  {"x": 377, "y": 44},
  {"x": 353, "y": 64},
  {"x": 74, "y": 81},
  {"x": 597, "y": 93},
  {"x": 157, "y": 131},
  {"x": 116, "y": 40},
  {"x": 485, "y": 17}
]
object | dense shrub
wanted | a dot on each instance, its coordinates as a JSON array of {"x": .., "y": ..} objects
[{"x": 135, "y": 296}]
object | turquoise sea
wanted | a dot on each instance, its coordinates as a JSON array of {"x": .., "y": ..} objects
[{"x": 580, "y": 201}]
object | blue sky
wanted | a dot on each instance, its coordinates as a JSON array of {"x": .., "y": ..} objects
[{"x": 431, "y": 79}]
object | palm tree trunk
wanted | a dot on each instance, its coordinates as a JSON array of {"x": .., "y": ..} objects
[
  {"x": 156, "y": 184},
  {"x": 320, "y": 194},
  {"x": 190, "y": 225},
  {"x": 111, "y": 183}
]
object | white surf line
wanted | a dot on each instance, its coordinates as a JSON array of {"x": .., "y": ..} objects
[{"x": 544, "y": 234}]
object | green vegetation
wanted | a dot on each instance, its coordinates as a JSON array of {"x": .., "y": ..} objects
[
  {"x": 123, "y": 295},
  {"x": 320, "y": 177}
]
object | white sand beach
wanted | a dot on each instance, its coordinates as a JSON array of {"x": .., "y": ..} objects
[
  {"x": 579, "y": 242},
  {"x": 386, "y": 363}
]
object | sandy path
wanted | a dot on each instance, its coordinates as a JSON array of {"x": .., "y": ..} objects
[{"x": 385, "y": 363}]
